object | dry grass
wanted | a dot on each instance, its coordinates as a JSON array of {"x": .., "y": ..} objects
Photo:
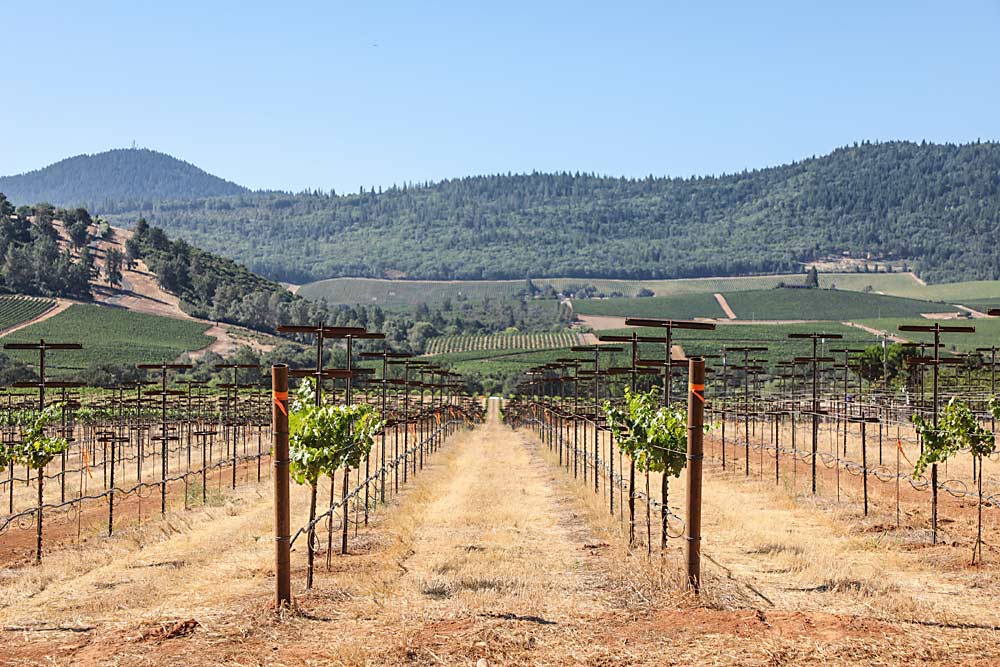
[{"x": 496, "y": 554}]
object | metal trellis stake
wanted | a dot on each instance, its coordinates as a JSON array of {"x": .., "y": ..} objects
[
  {"x": 695, "y": 456},
  {"x": 282, "y": 520}
]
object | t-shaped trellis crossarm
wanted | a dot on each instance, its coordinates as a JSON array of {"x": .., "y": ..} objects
[
  {"x": 321, "y": 332},
  {"x": 42, "y": 347},
  {"x": 668, "y": 326}
]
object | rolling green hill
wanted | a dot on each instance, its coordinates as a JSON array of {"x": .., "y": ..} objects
[
  {"x": 409, "y": 293},
  {"x": 123, "y": 177},
  {"x": 403, "y": 294},
  {"x": 936, "y": 207}
]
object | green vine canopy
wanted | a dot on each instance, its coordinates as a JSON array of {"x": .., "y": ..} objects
[
  {"x": 323, "y": 438},
  {"x": 652, "y": 435}
]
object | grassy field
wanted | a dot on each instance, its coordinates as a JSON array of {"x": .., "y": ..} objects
[
  {"x": 406, "y": 293},
  {"x": 630, "y": 288},
  {"x": 903, "y": 284},
  {"x": 680, "y": 306},
  {"x": 110, "y": 335},
  {"x": 825, "y": 304},
  {"x": 982, "y": 304},
  {"x": 899, "y": 284},
  {"x": 17, "y": 309},
  {"x": 502, "y": 341},
  {"x": 765, "y": 304},
  {"x": 395, "y": 294}
]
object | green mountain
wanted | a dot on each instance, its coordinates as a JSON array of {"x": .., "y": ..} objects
[
  {"x": 125, "y": 177},
  {"x": 935, "y": 207}
]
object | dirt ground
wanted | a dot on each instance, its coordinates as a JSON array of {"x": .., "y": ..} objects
[{"x": 495, "y": 556}]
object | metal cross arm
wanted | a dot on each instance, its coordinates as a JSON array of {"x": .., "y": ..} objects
[
  {"x": 668, "y": 324},
  {"x": 828, "y": 336},
  {"x": 326, "y": 332},
  {"x": 936, "y": 328}
]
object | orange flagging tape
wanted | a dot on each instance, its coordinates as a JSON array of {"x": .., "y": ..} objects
[
  {"x": 280, "y": 396},
  {"x": 86, "y": 463},
  {"x": 697, "y": 390},
  {"x": 899, "y": 444}
]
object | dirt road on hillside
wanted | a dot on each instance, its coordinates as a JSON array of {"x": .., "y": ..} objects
[{"x": 721, "y": 300}]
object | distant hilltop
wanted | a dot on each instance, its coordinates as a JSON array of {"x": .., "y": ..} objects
[{"x": 115, "y": 178}]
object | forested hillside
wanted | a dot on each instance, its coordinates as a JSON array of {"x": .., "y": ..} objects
[
  {"x": 935, "y": 206},
  {"x": 122, "y": 178},
  {"x": 31, "y": 258}
]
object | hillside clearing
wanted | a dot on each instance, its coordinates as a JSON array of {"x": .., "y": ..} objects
[
  {"x": 726, "y": 308},
  {"x": 141, "y": 292}
]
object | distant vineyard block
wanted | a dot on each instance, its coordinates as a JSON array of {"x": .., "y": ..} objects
[{"x": 511, "y": 341}]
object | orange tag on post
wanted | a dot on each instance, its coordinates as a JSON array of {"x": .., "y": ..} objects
[
  {"x": 697, "y": 390},
  {"x": 280, "y": 396}
]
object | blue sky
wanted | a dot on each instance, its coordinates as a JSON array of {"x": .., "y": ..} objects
[{"x": 338, "y": 95}]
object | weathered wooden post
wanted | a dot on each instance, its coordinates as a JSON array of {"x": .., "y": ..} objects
[
  {"x": 282, "y": 521},
  {"x": 695, "y": 455}
]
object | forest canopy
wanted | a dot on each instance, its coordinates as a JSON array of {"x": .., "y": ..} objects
[{"x": 935, "y": 207}]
